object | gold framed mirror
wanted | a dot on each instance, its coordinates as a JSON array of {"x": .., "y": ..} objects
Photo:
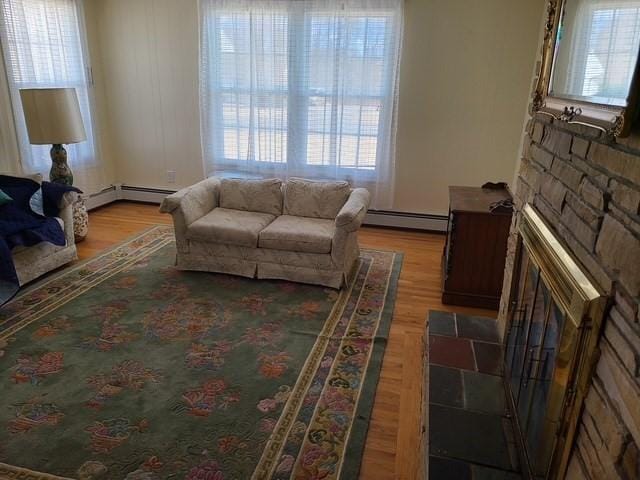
[{"x": 589, "y": 70}]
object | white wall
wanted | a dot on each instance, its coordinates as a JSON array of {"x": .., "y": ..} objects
[
  {"x": 465, "y": 85},
  {"x": 465, "y": 82},
  {"x": 148, "y": 75}
]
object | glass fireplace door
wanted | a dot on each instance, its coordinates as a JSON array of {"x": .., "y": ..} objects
[
  {"x": 554, "y": 319},
  {"x": 520, "y": 325},
  {"x": 539, "y": 349}
]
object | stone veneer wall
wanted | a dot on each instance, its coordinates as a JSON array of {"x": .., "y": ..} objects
[{"x": 587, "y": 187}]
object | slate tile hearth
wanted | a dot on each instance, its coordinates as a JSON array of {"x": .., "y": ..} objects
[
  {"x": 470, "y": 434},
  {"x": 441, "y": 323},
  {"x": 467, "y": 435},
  {"x": 449, "y": 381},
  {"x": 482, "y": 393},
  {"x": 476, "y": 328},
  {"x": 488, "y": 357},
  {"x": 452, "y": 352}
]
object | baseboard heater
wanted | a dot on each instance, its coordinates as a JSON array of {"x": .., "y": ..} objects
[
  {"x": 380, "y": 218},
  {"x": 103, "y": 197},
  {"x": 418, "y": 221}
]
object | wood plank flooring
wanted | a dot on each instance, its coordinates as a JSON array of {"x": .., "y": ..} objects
[{"x": 394, "y": 449}]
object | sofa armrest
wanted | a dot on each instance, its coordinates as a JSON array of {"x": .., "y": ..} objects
[
  {"x": 66, "y": 215},
  {"x": 188, "y": 205},
  {"x": 68, "y": 199},
  {"x": 352, "y": 214},
  {"x": 344, "y": 248},
  {"x": 193, "y": 202}
]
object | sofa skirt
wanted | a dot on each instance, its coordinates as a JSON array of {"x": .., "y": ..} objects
[
  {"x": 232, "y": 266},
  {"x": 328, "y": 278},
  {"x": 317, "y": 269}
]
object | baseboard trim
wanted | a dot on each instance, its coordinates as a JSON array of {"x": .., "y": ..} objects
[
  {"x": 378, "y": 218},
  {"x": 415, "y": 221},
  {"x": 105, "y": 197},
  {"x": 144, "y": 194}
]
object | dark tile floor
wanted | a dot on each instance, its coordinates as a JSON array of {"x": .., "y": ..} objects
[{"x": 470, "y": 433}]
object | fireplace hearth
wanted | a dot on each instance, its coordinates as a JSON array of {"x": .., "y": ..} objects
[{"x": 554, "y": 322}]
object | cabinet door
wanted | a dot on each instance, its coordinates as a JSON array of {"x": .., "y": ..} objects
[{"x": 479, "y": 250}]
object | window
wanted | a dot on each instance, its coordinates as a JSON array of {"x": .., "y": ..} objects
[
  {"x": 301, "y": 88},
  {"x": 602, "y": 53},
  {"x": 43, "y": 46}
]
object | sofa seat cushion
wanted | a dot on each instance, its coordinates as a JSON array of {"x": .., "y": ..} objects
[
  {"x": 235, "y": 227},
  {"x": 298, "y": 234}
]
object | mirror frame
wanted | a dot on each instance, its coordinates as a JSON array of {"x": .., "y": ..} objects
[{"x": 613, "y": 120}]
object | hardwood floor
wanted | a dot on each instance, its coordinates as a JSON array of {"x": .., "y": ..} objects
[{"x": 393, "y": 447}]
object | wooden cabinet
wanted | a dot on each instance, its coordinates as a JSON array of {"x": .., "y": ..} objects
[{"x": 476, "y": 247}]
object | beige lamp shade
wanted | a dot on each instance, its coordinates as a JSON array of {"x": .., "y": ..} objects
[{"x": 52, "y": 116}]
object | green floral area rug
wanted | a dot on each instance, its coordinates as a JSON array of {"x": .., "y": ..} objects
[{"x": 125, "y": 368}]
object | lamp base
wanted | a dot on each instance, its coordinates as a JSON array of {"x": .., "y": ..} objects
[{"x": 60, "y": 171}]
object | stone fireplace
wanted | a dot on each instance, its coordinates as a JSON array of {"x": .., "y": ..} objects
[{"x": 586, "y": 188}]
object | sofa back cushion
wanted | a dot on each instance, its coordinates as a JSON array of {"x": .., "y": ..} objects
[
  {"x": 264, "y": 196},
  {"x": 314, "y": 199}
]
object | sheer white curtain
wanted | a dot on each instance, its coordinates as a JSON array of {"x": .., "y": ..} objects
[
  {"x": 301, "y": 88},
  {"x": 44, "y": 46},
  {"x": 9, "y": 153},
  {"x": 604, "y": 42}
]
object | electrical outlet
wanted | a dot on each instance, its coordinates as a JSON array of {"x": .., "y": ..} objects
[{"x": 171, "y": 176}]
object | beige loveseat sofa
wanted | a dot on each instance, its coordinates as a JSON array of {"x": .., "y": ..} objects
[
  {"x": 301, "y": 230},
  {"x": 33, "y": 262}
]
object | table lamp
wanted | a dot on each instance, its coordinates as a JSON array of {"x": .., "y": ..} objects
[{"x": 53, "y": 118}]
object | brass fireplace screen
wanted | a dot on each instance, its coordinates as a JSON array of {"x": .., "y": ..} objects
[{"x": 554, "y": 323}]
